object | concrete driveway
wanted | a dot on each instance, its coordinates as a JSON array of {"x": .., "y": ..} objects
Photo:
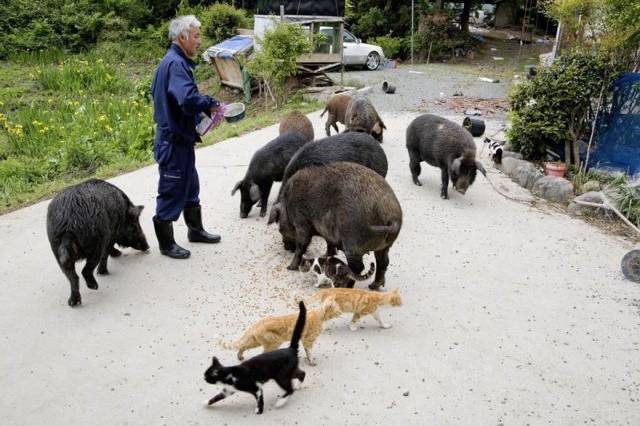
[{"x": 512, "y": 315}]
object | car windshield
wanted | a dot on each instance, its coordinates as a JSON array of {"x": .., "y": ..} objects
[{"x": 348, "y": 37}]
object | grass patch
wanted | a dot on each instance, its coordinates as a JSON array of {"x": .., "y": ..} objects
[
  {"x": 68, "y": 119},
  {"x": 626, "y": 197},
  {"x": 86, "y": 117}
]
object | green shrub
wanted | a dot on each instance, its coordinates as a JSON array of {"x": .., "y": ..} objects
[
  {"x": 370, "y": 23},
  {"x": 221, "y": 21},
  {"x": 372, "y": 18},
  {"x": 27, "y": 26},
  {"x": 552, "y": 108},
  {"x": 393, "y": 47},
  {"x": 277, "y": 58}
]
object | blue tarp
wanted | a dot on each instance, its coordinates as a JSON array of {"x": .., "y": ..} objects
[
  {"x": 231, "y": 47},
  {"x": 618, "y": 134}
]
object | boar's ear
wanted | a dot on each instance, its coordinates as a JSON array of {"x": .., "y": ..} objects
[
  {"x": 382, "y": 125},
  {"x": 274, "y": 215},
  {"x": 235, "y": 188},
  {"x": 134, "y": 211},
  {"x": 480, "y": 167},
  {"x": 254, "y": 192},
  {"x": 455, "y": 165}
]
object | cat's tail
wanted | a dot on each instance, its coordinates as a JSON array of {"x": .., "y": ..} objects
[
  {"x": 297, "y": 330},
  {"x": 313, "y": 298},
  {"x": 229, "y": 345},
  {"x": 354, "y": 276}
]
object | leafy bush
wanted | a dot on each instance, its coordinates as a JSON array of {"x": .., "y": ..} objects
[
  {"x": 277, "y": 58},
  {"x": 221, "y": 21},
  {"x": 553, "y": 107},
  {"x": 393, "y": 47},
  {"x": 372, "y": 18},
  {"x": 70, "y": 24}
]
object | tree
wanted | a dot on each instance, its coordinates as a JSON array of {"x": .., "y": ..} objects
[
  {"x": 609, "y": 26},
  {"x": 277, "y": 58}
]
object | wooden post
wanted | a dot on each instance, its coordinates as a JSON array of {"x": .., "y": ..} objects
[{"x": 412, "y": 8}]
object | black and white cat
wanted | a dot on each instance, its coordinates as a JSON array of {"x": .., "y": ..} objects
[
  {"x": 333, "y": 271},
  {"x": 280, "y": 365}
]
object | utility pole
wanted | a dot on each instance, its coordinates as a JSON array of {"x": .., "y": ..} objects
[{"x": 412, "y": 8}]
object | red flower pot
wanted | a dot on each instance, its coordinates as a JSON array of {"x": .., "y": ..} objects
[{"x": 555, "y": 169}]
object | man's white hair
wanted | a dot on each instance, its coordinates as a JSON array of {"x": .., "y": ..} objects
[{"x": 182, "y": 25}]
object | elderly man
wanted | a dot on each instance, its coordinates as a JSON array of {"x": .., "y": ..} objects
[{"x": 177, "y": 110}]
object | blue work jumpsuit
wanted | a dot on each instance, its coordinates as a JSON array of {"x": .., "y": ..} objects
[{"x": 177, "y": 107}]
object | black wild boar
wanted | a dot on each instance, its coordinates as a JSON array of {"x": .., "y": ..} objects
[
  {"x": 445, "y": 144},
  {"x": 267, "y": 166},
  {"x": 85, "y": 221},
  {"x": 361, "y": 116},
  {"x": 352, "y": 207},
  {"x": 297, "y": 122},
  {"x": 354, "y": 147}
]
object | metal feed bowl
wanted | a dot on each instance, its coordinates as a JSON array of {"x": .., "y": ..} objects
[{"x": 234, "y": 112}]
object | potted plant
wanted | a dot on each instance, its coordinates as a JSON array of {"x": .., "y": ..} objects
[{"x": 555, "y": 168}]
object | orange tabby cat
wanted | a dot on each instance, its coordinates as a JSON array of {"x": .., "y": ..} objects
[
  {"x": 271, "y": 332},
  {"x": 360, "y": 302}
]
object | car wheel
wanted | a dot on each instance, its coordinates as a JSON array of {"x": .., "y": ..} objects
[{"x": 373, "y": 61}]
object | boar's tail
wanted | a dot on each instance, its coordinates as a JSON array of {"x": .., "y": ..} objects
[
  {"x": 392, "y": 228},
  {"x": 325, "y": 110},
  {"x": 66, "y": 249}
]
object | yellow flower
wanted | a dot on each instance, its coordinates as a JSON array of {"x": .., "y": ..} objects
[
  {"x": 108, "y": 128},
  {"x": 102, "y": 118}
]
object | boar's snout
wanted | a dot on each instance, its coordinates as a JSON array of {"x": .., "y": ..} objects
[
  {"x": 131, "y": 234},
  {"x": 141, "y": 244}
]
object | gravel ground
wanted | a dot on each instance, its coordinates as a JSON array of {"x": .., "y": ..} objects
[{"x": 419, "y": 83}]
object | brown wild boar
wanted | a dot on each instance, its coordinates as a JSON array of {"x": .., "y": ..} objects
[
  {"x": 337, "y": 108},
  {"x": 297, "y": 122},
  {"x": 361, "y": 116},
  {"x": 352, "y": 207}
]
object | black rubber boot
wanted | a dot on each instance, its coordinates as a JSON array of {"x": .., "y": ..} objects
[
  {"x": 197, "y": 234},
  {"x": 168, "y": 246}
]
